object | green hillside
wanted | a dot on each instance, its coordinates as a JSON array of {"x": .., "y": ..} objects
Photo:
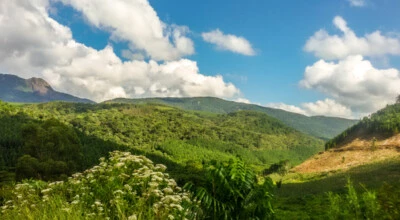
[
  {"x": 52, "y": 141},
  {"x": 373, "y": 194},
  {"x": 317, "y": 126},
  {"x": 180, "y": 139}
]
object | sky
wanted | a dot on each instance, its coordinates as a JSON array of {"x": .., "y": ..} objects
[{"x": 335, "y": 58}]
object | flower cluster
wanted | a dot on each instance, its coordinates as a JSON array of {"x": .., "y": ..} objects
[{"x": 124, "y": 186}]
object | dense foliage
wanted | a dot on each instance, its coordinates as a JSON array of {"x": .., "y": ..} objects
[
  {"x": 223, "y": 155},
  {"x": 232, "y": 191},
  {"x": 383, "y": 122},
  {"x": 318, "y": 126},
  {"x": 34, "y": 138}
]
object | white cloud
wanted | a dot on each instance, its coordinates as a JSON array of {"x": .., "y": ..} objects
[
  {"x": 33, "y": 44},
  {"x": 242, "y": 100},
  {"x": 327, "y": 107},
  {"x": 229, "y": 42},
  {"x": 286, "y": 107},
  {"x": 354, "y": 82},
  {"x": 331, "y": 47},
  {"x": 136, "y": 22},
  {"x": 357, "y": 3}
]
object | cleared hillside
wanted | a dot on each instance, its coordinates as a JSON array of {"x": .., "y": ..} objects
[
  {"x": 373, "y": 139},
  {"x": 359, "y": 151}
]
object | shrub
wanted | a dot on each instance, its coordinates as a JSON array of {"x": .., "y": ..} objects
[{"x": 123, "y": 187}]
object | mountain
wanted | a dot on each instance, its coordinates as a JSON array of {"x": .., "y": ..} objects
[
  {"x": 16, "y": 89},
  {"x": 317, "y": 126},
  {"x": 371, "y": 140}
]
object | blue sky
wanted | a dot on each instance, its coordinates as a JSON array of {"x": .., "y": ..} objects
[{"x": 274, "y": 36}]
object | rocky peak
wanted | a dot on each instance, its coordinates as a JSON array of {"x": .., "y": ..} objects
[{"x": 39, "y": 85}]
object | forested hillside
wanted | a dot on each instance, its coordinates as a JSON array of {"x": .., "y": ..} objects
[
  {"x": 220, "y": 159},
  {"x": 317, "y": 126},
  {"x": 53, "y": 139}
]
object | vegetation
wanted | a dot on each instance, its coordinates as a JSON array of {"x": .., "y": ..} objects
[
  {"x": 319, "y": 196},
  {"x": 317, "y": 126},
  {"x": 123, "y": 187},
  {"x": 232, "y": 190},
  {"x": 48, "y": 140},
  {"x": 223, "y": 161}
]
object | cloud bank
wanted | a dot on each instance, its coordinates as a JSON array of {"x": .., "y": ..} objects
[
  {"x": 331, "y": 47},
  {"x": 354, "y": 87},
  {"x": 354, "y": 82},
  {"x": 136, "y": 22},
  {"x": 327, "y": 107},
  {"x": 34, "y": 44},
  {"x": 229, "y": 42}
]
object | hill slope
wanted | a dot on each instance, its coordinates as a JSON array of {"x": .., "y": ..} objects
[
  {"x": 165, "y": 134},
  {"x": 16, "y": 89},
  {"x": 317, "y": 126},
  {"x": 371, "y": 140}
]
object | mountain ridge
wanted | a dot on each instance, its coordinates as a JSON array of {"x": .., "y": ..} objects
[
  {"x": 322, "y": 127},
  {"x": 32, "y": 90}
]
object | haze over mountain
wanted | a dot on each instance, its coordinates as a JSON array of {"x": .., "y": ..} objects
[
  {"x": 16, "y": 89},
  {"x": 317, "y": 126}
]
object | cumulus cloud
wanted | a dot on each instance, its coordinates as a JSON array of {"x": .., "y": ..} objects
[
  {"x": 354, "y": 82},
  {"x": 331, "y": 47},
  {"x": 327, "y": 107},
  {"x": 286, "y": 107},
  {"x": 136, "y": 22},
  {"x": 242, "y": 100},
  {"x": 229, "y": 42},
  {"x": 34, "y": 44},
  {"x": 357, "y": 3}
]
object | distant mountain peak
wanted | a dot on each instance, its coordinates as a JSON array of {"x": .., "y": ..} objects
[
  {"x": 39, "y": 85},
  {"x": 16, "y": 89}
]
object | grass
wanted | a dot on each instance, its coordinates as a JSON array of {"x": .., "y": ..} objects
[{"x": 303, "y": 196}]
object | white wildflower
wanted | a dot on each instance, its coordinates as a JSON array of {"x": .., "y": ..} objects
[
  {"x": 168, "y": 190},
  {"x": 132, "y": 217}
]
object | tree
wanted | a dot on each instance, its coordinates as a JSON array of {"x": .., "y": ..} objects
[
  {"x": 233, "y": 192},
  {"x": 398, "y": 99},
  {"x": 51, "y": 149},
  {"x": 27, "y": 167},
  {"x": 281, "y": 168}
]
